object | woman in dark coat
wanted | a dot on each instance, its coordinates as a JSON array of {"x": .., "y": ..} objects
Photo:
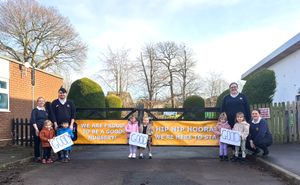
[
  {"x": 235, "y": 102},
  {"x": 260, "y": 137},
  {"x": 38, "y": 116}
]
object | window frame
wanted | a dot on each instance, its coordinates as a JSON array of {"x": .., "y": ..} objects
[{"x": 5, "y": 91}]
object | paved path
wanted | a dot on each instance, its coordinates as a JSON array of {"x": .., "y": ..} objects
[{"x": 100, "y": 164}]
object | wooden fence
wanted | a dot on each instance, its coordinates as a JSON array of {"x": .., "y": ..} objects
[
  {"x": 284, "y": 121},
  {"x": 21, "y": 132}
]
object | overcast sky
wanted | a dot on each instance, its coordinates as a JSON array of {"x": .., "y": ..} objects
[{"x": 227, "y": 36}]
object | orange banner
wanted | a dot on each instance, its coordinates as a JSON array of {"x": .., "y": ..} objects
[
  {"x": 101, "y": 132},
  {"x": 185, "y": 133}
]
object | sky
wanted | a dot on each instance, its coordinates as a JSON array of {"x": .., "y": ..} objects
[{"x": 227, "y": 36}]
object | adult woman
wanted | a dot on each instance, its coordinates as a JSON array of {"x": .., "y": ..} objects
[
  {"x": 235, "y": 102},
  {"x": 38, "y": 116},
  {"x": 260, "y": 136}
]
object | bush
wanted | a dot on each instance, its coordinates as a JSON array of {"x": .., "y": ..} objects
[
  {"x": 221, "y": 97},
  {"x": 113, "y": 101},
  {"x": 196, "y": 103},
  {"x": 260, "y": 87},
  {"x": 87, "y": 94}
]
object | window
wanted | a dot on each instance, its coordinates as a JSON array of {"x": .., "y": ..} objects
[{"x": 4, "y": 95}]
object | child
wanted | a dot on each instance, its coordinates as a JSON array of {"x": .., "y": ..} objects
[
  {"x": 222, "y": 123},
  {"x": 146, "y": 128},
  {"x": 45, "y": 135},
  {"x": 243, "y": 128},
  {"x": 65, "y": 154},
  {"x": 132, "y": 126}
]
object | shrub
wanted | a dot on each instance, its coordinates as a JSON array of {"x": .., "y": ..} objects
[
  {"x": 87, "y": 94},
  {"x": 260, "y": 87},
  {"x": 113, "y": 101},
  {"x": 196, "y": 104},
  {"x": 221, "y": 97}
]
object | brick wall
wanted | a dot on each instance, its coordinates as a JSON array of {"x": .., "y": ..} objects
[{"x": 21, "y": 95}]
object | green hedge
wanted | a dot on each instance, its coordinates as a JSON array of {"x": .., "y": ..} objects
[
  {"x": 194, "y": 102},
  {"x": 113, "y": 101},
  {"x": 87, "y": 94}
]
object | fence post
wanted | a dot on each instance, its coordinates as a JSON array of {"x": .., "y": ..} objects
[
  {"x": 22, "y": 132},
  {"x": 140, "y": 108}
]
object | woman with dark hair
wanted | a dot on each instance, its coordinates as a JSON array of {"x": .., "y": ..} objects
[
  {"x": 260, "y": 137},
  {"x": 38, "y": 116}
]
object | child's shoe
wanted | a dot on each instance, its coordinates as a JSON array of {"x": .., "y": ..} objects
[
  {"x": 150, "y": 156},
  {"x": 130, "y": 156},
  {"x": 234, "y": 158},
  {"x": 221, "y": 158},
  {"x": 133, "y": 156},
  {"x": 225, "y": 158},
  {"x": 44, "y": 161},
  {"x": 141, "y": 156},
  {"x": 49, "y": 161}
]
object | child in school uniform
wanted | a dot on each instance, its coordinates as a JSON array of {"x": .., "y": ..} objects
[
  {"x": 132, "y": 126},
  {"x": 222, "y": 123},
  {"x": 45, "y": 135},
  {"x": 65, "y": 154},
  {"x": 146, "y": 128}
]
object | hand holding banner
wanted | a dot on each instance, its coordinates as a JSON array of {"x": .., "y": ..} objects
[
  {"x": 61, "y": 142},
  {"x": 138, "y": 139},
  {"x": 230, "y": 137}
]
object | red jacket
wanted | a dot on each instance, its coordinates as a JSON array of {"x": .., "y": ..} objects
[{"x": 46, "y": 134}]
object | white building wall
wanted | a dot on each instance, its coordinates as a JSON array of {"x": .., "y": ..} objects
[{"x": 287, "y": 73}]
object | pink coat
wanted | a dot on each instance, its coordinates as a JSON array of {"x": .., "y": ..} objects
[
  {"x": 220, "y": 125},
  {"x": 131, "y": 127}
]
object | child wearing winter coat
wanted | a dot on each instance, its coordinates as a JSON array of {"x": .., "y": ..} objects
[
  {"x": 132, "y": 126},
  {"x": 65, "y": 154},
  {"x": 222, "y": 123},
  {"x": 146, "y": 128},
  {"x": 45, "y": 135},
  {"x": 243, "y": 128}
]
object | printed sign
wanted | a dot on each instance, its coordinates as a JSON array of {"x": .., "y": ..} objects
[
  {"x": 138, "y": 139},
  {"x": 185, "y": 133},
  {"x": 265, "y": 113},
  {"x": 230, "y": 137},
  {"x": 61, "y": 142}
]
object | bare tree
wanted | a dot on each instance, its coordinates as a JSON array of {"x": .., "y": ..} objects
[
  {"x": 149, "y": 68},
  {"x": 117, "y": 69},
  {"x": 215, "y": 84},
  {"x": 39, "y": 35},
  {"x": 167, "y": 53},
  {"x": 188, "y": 80}
]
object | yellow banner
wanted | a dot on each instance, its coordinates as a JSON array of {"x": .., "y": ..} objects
[
  {"x": 186, "y": 133},
  {"x": 101, "y": 132}
]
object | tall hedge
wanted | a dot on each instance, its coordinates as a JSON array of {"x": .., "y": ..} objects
[
  {"x": 87, "y": 94},
  {"x": 113, "y": 101},
  {"x": 220, "y": 97},
  {"x": 260, "y": 87},
  {"x": 194, "y": 103}
]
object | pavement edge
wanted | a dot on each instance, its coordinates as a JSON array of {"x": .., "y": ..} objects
[
  {"x": 20, "y": 161},
  {"x": 289, "y": 176}
]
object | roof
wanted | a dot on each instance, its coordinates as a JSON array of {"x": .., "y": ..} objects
[
  {"x": 15, "y": 61},
  {"x": 283, "y": 51}
]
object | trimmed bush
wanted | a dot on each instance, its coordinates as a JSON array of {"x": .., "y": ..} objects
[
  {"x": 87, "y": 94},
  {"x": 221, "y": 97},
  {"x": 195, "y": 103},
  {"x": 260, "y": 87},
  {"x": 113, "y": 101}
]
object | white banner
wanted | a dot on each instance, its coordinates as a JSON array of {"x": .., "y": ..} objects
[
  {"x": 138, "y": 139},
  {"x": 61, "y": 142},
  {"x": 230, "y": 137}
]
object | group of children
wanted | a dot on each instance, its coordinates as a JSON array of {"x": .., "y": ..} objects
[
  {"x": 48, "y": 133},
  {"x": 240, "y": 126},
  {"x": 145, "y": 128}
]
